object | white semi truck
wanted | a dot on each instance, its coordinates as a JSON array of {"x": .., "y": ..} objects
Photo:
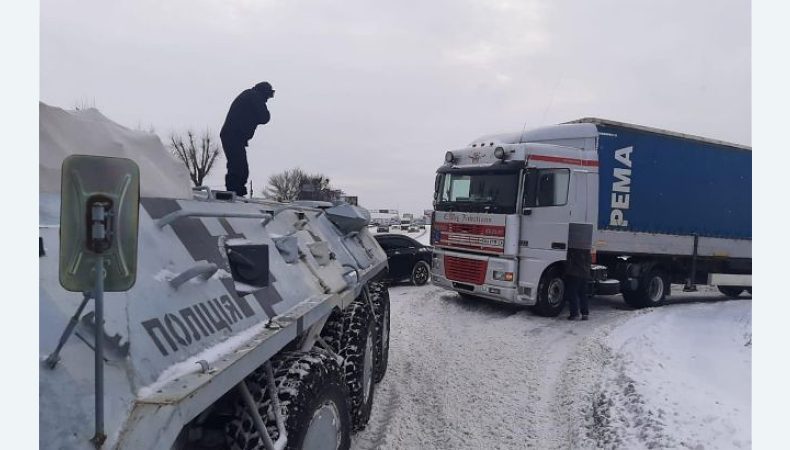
[{"x": 654, "y": 207}]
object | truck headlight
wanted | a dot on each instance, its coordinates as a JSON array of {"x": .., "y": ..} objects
[{"x": 503, "y": 276}]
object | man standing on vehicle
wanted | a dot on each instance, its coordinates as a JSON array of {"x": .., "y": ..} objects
[
  {"x": 577, "y": 272},
  {"x": 246, "y": 112}
]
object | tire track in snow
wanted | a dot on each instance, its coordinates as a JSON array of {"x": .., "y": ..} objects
[{"x": 473, "y": 374}]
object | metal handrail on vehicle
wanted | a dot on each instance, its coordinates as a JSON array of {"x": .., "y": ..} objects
[
  {"x": 175, "y": 215},
  {"x": 202, "y": 269}
]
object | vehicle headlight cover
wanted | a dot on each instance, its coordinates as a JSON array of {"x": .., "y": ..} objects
[{"x": 500, "y": 275}]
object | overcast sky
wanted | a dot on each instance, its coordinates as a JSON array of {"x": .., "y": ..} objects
[{"x": 373, "y": 93}]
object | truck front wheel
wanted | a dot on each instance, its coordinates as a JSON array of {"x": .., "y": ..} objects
[{"x": 551, "y": 293}]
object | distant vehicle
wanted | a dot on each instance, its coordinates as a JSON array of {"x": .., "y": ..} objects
[
  {"x": 406, "y": 220},
  {"x": 413, "y": 228},
  {"x": 384, "y": 216},
  {"x": 383, "y": 229},
  {"x": 408, "y": 259}
]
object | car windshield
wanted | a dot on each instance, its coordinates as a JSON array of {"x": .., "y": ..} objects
[{"x": 491, "y": 192}]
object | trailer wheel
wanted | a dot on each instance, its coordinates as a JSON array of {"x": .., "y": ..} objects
[
  {"x": 420, "y": 274},
  {"x": 313, "y": 398},
  {"x": 651, "y": 291},
  {"x": 381, "y": 304},
  {"x": 731, "y": 291},
  {"x": 357, "y": 350},
  {"x": 551, "y": 293}
]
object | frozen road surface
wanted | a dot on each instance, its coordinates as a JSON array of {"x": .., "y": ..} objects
[{"x": 472, "y": 374}]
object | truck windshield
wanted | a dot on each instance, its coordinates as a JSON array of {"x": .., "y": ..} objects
[{"x": 491, "y": 192}]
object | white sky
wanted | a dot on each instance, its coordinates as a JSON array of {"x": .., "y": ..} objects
[{"x": 373, "y": 93}]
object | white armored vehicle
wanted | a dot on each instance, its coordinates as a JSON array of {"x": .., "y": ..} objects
[{"x": 227, "y": 323}]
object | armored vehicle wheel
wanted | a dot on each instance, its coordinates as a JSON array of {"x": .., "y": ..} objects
[
  {"x": 551, "y": 293},
  {"x": 381, "y": 304},
  {"x": 357, "y": 350},
  {"x": 731, "y": 291},
  {"x": 652, "y": 290},
  {"x": 420, "y": 274},
  {"x": 313, "y": 398}
]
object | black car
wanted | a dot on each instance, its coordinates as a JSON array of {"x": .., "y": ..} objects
[{"x": 408, "y": 259}]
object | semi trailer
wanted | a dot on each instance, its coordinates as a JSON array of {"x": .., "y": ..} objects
[
  {"x": 654, "y": 207},
  {"x": 178, "y": 319}
]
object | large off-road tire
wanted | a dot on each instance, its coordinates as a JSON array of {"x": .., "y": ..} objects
[
  {"x": 421, "y": 273},
  {"x": 380, "y": 297},
  {"x": 652, "y": 290},
  {"x": 551, "y": 293},
  {"x": 731, "y": 291},
  {"x": 313, "y": 398},
  {"x": 333, "y": 331},
  {"x": 357, "y": 349}
]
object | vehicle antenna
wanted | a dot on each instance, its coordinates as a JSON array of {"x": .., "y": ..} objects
[
  {"x": 553, "y": 94},
  {"x": 545, "y": 111}
]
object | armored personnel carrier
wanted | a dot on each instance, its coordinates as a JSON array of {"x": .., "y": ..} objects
[{"x": 203, "y": 320}]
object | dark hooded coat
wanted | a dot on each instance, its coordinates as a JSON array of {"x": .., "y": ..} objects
[{"x": 246, "y": 112}]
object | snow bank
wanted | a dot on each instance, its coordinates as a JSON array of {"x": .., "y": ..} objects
[
  {"x": 679, "y": 377},
  {"x": 88, "y": 132}
]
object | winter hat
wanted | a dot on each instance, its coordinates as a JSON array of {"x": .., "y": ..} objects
[{"x": 264, "y": 87}]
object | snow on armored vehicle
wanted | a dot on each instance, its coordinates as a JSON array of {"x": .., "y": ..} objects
[{"x": 227, "y": 322}]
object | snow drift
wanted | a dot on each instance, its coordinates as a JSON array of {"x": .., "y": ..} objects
[{"x": 88, "y": 132}]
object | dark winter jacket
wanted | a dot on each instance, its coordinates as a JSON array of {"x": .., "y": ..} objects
[
  {"x": 578, "y": 264},
  {"x": 246, "y": 112}
]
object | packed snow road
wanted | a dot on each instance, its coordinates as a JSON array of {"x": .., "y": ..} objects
[{"x": 472, "y": 374}]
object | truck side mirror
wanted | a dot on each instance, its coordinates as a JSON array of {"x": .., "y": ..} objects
[{"x": 99, "y": 212}]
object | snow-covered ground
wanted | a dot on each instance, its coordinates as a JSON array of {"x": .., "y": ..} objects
[{"x": 472, "y": 374}]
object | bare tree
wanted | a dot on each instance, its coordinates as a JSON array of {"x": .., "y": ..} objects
[
  {"x": 296, "y": 184},
  {"x": 198, "y": 157},
  {"x": 285, "y": 186}
]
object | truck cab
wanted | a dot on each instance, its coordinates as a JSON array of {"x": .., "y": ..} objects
[{"x": 508, "y": 208}]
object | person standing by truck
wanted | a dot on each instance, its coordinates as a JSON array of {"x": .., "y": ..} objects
[
  {"x": 246, "y": 112},
  {"x": 577, "y": 273}
]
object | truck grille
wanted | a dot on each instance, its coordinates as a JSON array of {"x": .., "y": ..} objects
[{"x": 465, "y": 270}]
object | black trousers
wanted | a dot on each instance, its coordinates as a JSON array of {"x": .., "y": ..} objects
[
  {"x": 576, "y": 293},
  {"x": 238, "y": 170}
]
